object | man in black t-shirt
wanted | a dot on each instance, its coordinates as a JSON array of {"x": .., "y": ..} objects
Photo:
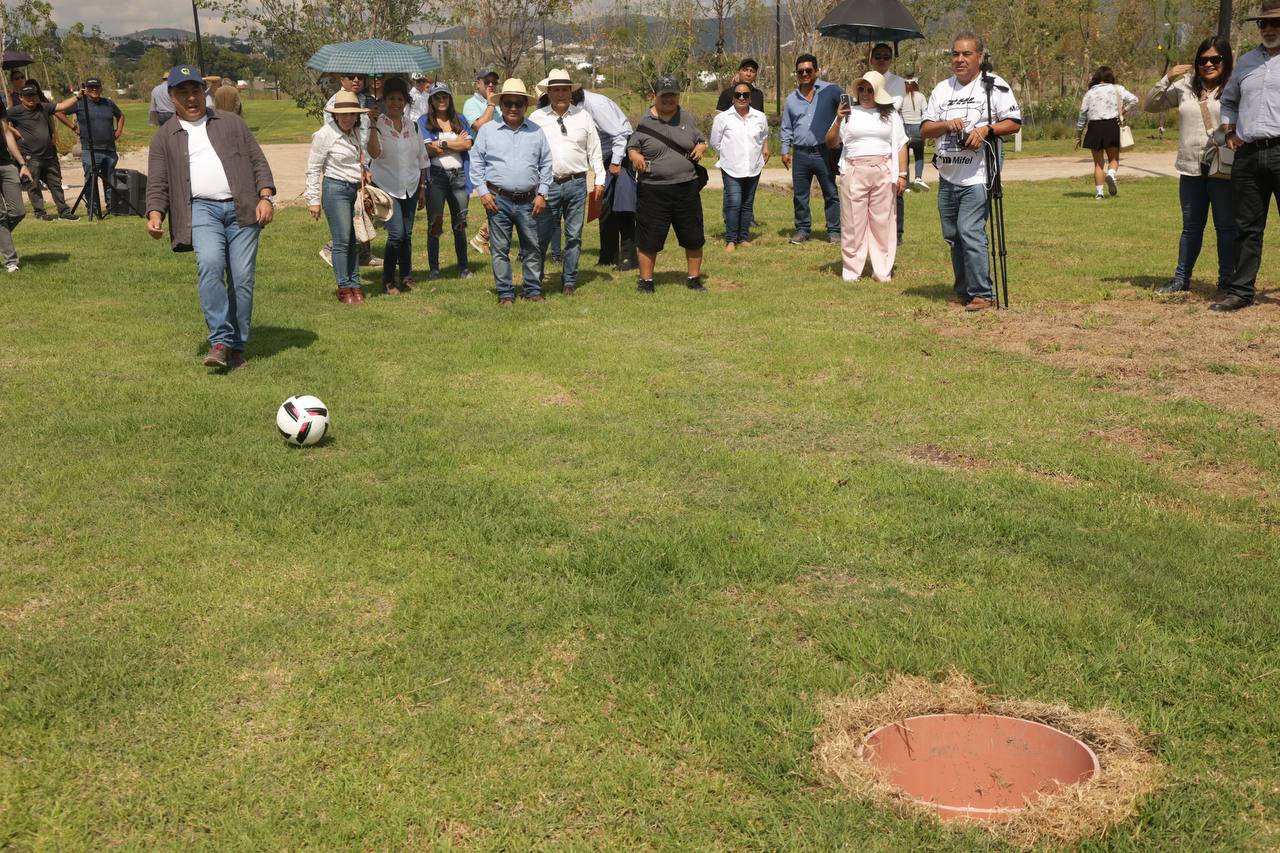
[
  {"x": 30, "y": 119},
  {"x": 748, "y": 70},
  {"x": 13, "y": 172},
  {"x": 100, "y": 124}
]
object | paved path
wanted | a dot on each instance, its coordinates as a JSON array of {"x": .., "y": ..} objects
[{"x": 289, "y": 165}]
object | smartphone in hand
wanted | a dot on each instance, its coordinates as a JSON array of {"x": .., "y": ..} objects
[{"x": 848, "y": 100}]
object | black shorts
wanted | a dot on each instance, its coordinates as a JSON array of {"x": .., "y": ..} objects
[
  {"x": 1102, "y": 134},
  {"x": 665, "y": 206}
]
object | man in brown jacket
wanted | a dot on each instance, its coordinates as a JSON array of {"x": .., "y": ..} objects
[{"x": 209, "y": 174}]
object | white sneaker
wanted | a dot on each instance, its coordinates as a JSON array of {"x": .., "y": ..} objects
[
  {"x": 919, "y": 184},
  {"x": 327, "y": 254},
  {"x": 1097, "y": 197},
  {"x": 11, "y": 266},
  {"x": 1111, "y": 182}
]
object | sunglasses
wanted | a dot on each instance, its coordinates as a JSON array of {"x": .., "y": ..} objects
[
  {"x": 881, "y": 57},
  {"x": 866, "y": 90},
  {"x": 1268, "y": 24},
  {"x": 359, "y": 77},
  {"x": 742, "y": 96},
  {"x": 511, "y": 105},
  {"x": 805, "y": 71},
  {"x": 563, "y": 130},
  {"x": 1209, "y": 60}
]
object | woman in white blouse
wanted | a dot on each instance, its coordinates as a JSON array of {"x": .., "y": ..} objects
[
  {"x": 873, "y": 173},
  {"x": 334, "y": 169},
  {"x": 1098, "y": 126},
  {"x": 400, "y": 169},
  {"x": 741, "y": 136}
]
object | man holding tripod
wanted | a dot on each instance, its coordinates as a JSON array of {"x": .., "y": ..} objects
[
  {"x": 100, "y": 124},
  {"x": 957, "y": 116}
]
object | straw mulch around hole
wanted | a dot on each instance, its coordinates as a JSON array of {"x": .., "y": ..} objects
[{"x": 1129, "y": 768}]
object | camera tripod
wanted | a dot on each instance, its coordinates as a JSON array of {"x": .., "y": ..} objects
[
  {"x": 995, "y": 197},
  {"x": 90, "y": 188}
]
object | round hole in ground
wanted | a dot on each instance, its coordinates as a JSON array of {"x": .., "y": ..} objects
[{"x": 977, "y": 766}]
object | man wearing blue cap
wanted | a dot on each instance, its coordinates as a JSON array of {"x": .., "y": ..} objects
[
  {"x": 210, "y": 176},
  {"x": 100, "y": 124}
]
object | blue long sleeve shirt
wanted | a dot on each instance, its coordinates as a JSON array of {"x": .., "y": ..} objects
[
  {"x": 804, "y": 121},
  {"x": 517, "y": 159},
  {"x": 1251, "y": 98}
]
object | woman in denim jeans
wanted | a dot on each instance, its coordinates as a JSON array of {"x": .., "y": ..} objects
[
  {"x": 400, "y": 170},
  {"x": 449, "y": 176},
  {"x": 1194, "y": 90},
  {"x": 741, "y": 136},
  {"x": 335, "y": 167}
]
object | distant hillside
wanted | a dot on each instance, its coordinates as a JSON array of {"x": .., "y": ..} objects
[{"x": 160, "y": 34}]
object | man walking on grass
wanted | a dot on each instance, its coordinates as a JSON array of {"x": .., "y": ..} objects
[
  {"x": 32, "y": 121},
  {"x": 808, "y": 113},
  {"x": 1251, "y": 122},
  {"x": 956, "y": 116},
  {"x": 209, "y": 175},
  {"x": 13, "y": 171}
]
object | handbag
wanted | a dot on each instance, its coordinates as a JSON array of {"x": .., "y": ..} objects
[
  {"x": 1216, "y": 160},
  {"x": 700, "y": 172},
  {"x": 371, "y": 203},
  {"x": 1126, "y": 132}
]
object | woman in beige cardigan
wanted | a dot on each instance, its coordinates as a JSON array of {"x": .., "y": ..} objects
[{"x": 1194, "y": 90}]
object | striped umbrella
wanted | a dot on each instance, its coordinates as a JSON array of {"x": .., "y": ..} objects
[{"x": 372, "y": 56}]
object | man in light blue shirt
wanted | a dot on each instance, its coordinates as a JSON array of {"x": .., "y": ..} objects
[
  {"x": 807, "y": 114},
  {"x": 511, "y": 172},
  {"x": 1251, "y": 122}
]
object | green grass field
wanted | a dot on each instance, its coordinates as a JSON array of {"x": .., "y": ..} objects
[{"x": 577, "y": 575}]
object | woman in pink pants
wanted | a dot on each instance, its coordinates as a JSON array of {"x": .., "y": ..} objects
[{"x": 873, "y": 172}]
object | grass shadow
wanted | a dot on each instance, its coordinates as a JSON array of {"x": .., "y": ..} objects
[
  {"x": 267, "y": 341},
  {"x": 45, "y": 258},
  {"x": 936, "y": 292},
  {"x": 1078, "y": 194}
]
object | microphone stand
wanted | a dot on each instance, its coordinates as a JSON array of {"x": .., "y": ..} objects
[{"x": 995, "y": 197}]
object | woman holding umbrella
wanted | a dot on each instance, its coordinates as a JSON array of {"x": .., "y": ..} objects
[
  {"x": 873, "y": 173},
  {"x": 400, "y": 168}
]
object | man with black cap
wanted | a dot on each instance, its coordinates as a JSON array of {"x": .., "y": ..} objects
[
  {"x": 1251, "y": 128},
  {"x": 13, "y": 172},
  {"x": 209, "y": 175},
  {"x": 31, "y": 119},
  {"x": 100, "y": 123},
  {"x": 748, "y": 70}
]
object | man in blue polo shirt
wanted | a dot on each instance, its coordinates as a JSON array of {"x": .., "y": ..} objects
[
  {"x": 100, "y": 123},
  {"x": 807, "y": 114}
]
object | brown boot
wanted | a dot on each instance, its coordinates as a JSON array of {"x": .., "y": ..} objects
[{"x": 357, "y": 297}]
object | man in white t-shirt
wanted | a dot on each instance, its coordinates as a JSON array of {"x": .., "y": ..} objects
[
  {"x": 209, "y": 175},
  {"x": 957, "y": 117},
  {"x": 882, "y": 61}
]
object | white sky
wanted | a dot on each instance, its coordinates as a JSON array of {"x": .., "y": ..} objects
[{"x": 117, "y": 17}]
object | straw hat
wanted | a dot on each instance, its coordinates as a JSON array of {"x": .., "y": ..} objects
[
  {"x": 876, "y": 79},
  {"x": 346, "y": 102},
  {"x": 515, "y": 86},
  {"x": 557, "y": 77}
]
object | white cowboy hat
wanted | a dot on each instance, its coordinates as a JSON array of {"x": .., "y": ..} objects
[
  {"x": 876, "y": 79},
  {"x": 515, "y": 86},
  {"x": 557, "y": 77},
  {"x": 346, "y": 102}
]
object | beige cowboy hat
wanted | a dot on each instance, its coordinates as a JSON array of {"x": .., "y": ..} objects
[
  {"x": 557, "y": 77},
  {"x": 346, "y": 102},
  {"x": 515, "y": 86},
  {"x": 876, "y": 80},
  {"x": 1270, "y": 11}
]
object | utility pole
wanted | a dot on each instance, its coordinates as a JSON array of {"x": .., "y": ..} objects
[
  {"x": 195, "y": 14},
  {"x": 1224, "y": 19},
  {"x": 777, "y": 56}
]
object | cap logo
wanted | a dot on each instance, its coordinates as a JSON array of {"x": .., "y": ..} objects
[{"x": 184, "y": 70}]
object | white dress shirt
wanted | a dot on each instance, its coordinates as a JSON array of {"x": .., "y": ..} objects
[
  {"x": 208, "y": 178},
  {"x": 398, "y": 169},
  {"x": 740, "y": 142},
  {"x": 575, "y": 144},
  {"x": 418, "y": 104},
  {"x": 333, "y": 154}
]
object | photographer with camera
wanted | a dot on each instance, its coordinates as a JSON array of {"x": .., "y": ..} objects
[{"x": 965, "y": 116}]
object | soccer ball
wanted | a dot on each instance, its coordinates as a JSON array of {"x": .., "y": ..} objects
[{"x": 302, "y": 420}]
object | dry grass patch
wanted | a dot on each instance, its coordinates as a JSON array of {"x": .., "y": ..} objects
[{"x": 1129, "y": 769}]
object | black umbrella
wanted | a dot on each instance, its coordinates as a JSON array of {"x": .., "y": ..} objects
[
  {"x": 870, "y": 21},
  {"x": 16, "y": 59}
]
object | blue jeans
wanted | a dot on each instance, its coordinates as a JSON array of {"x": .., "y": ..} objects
[
  {"x": 1196, "y": 195},
  {"x": 338, "y": 198},
  {"x": 105, "y": 163},
  {"x": 400, "y": 239},
  {"x": 805, "y": 165},
  {"x": 447, "y": 185},
  {"x": 739, "y": 203},
  {"x": 567, "y": 201},
  {"x": 916, "y": 143},
  {"x": 517, "y": 216},
  {"x": 226, "y": 258},
  {"x": 964, "y": 226}
]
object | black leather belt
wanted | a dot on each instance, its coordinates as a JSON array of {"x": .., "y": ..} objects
[
  {"x": 561, "y": 179},
  {"x": 524, "y": 196},
  {"x": 807, "y": 147},
  {"x": 1265, "y": 143}
]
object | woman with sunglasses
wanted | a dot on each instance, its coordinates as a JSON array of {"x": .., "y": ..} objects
[
  {"x": 448, "y": 177},
  {"x": 741, "y": 136},
  {"x": 400, "y": 169},
  {"x": 873, "y": 173},
  {"x": 1098, "y": 126},
  {"x": 1195, "y": 91}
]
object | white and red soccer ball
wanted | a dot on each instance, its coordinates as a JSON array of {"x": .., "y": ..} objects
[{"x": 303, "y": 420}]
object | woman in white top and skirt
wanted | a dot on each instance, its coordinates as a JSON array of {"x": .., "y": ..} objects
[
  {"x": 1098, "y": 126},
  {"x": 741, "y": 136},
  {"x": 400, "y": 170},
  {"x": 873, "y": 173}
]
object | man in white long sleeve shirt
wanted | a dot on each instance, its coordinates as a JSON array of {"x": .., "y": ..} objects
[
  {"x": 618, "y": 213},
  {"x": 575, "y": 150}
]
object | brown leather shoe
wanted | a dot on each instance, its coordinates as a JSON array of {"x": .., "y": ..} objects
[
  {"x": 979, "y": 303},
  {"x": 236, "y": 360},
  {"x": 406, "y": 284},
  {"x": 357, "y": 298},
  {"x": 957, "y": 300},
  {"x": 390, "y": 289},
  {"x": 506, "y": 302},
  {"x": 341, "y": 293},
  {"x": 217, "y": 356},
  {"x": 569, "y": 289},
  {"x": 537, "y": 297}
]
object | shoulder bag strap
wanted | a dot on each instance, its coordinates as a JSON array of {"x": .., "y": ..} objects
[
  {"x": 663, "y": 138},
  {"x": 1204, "y": 116}
]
